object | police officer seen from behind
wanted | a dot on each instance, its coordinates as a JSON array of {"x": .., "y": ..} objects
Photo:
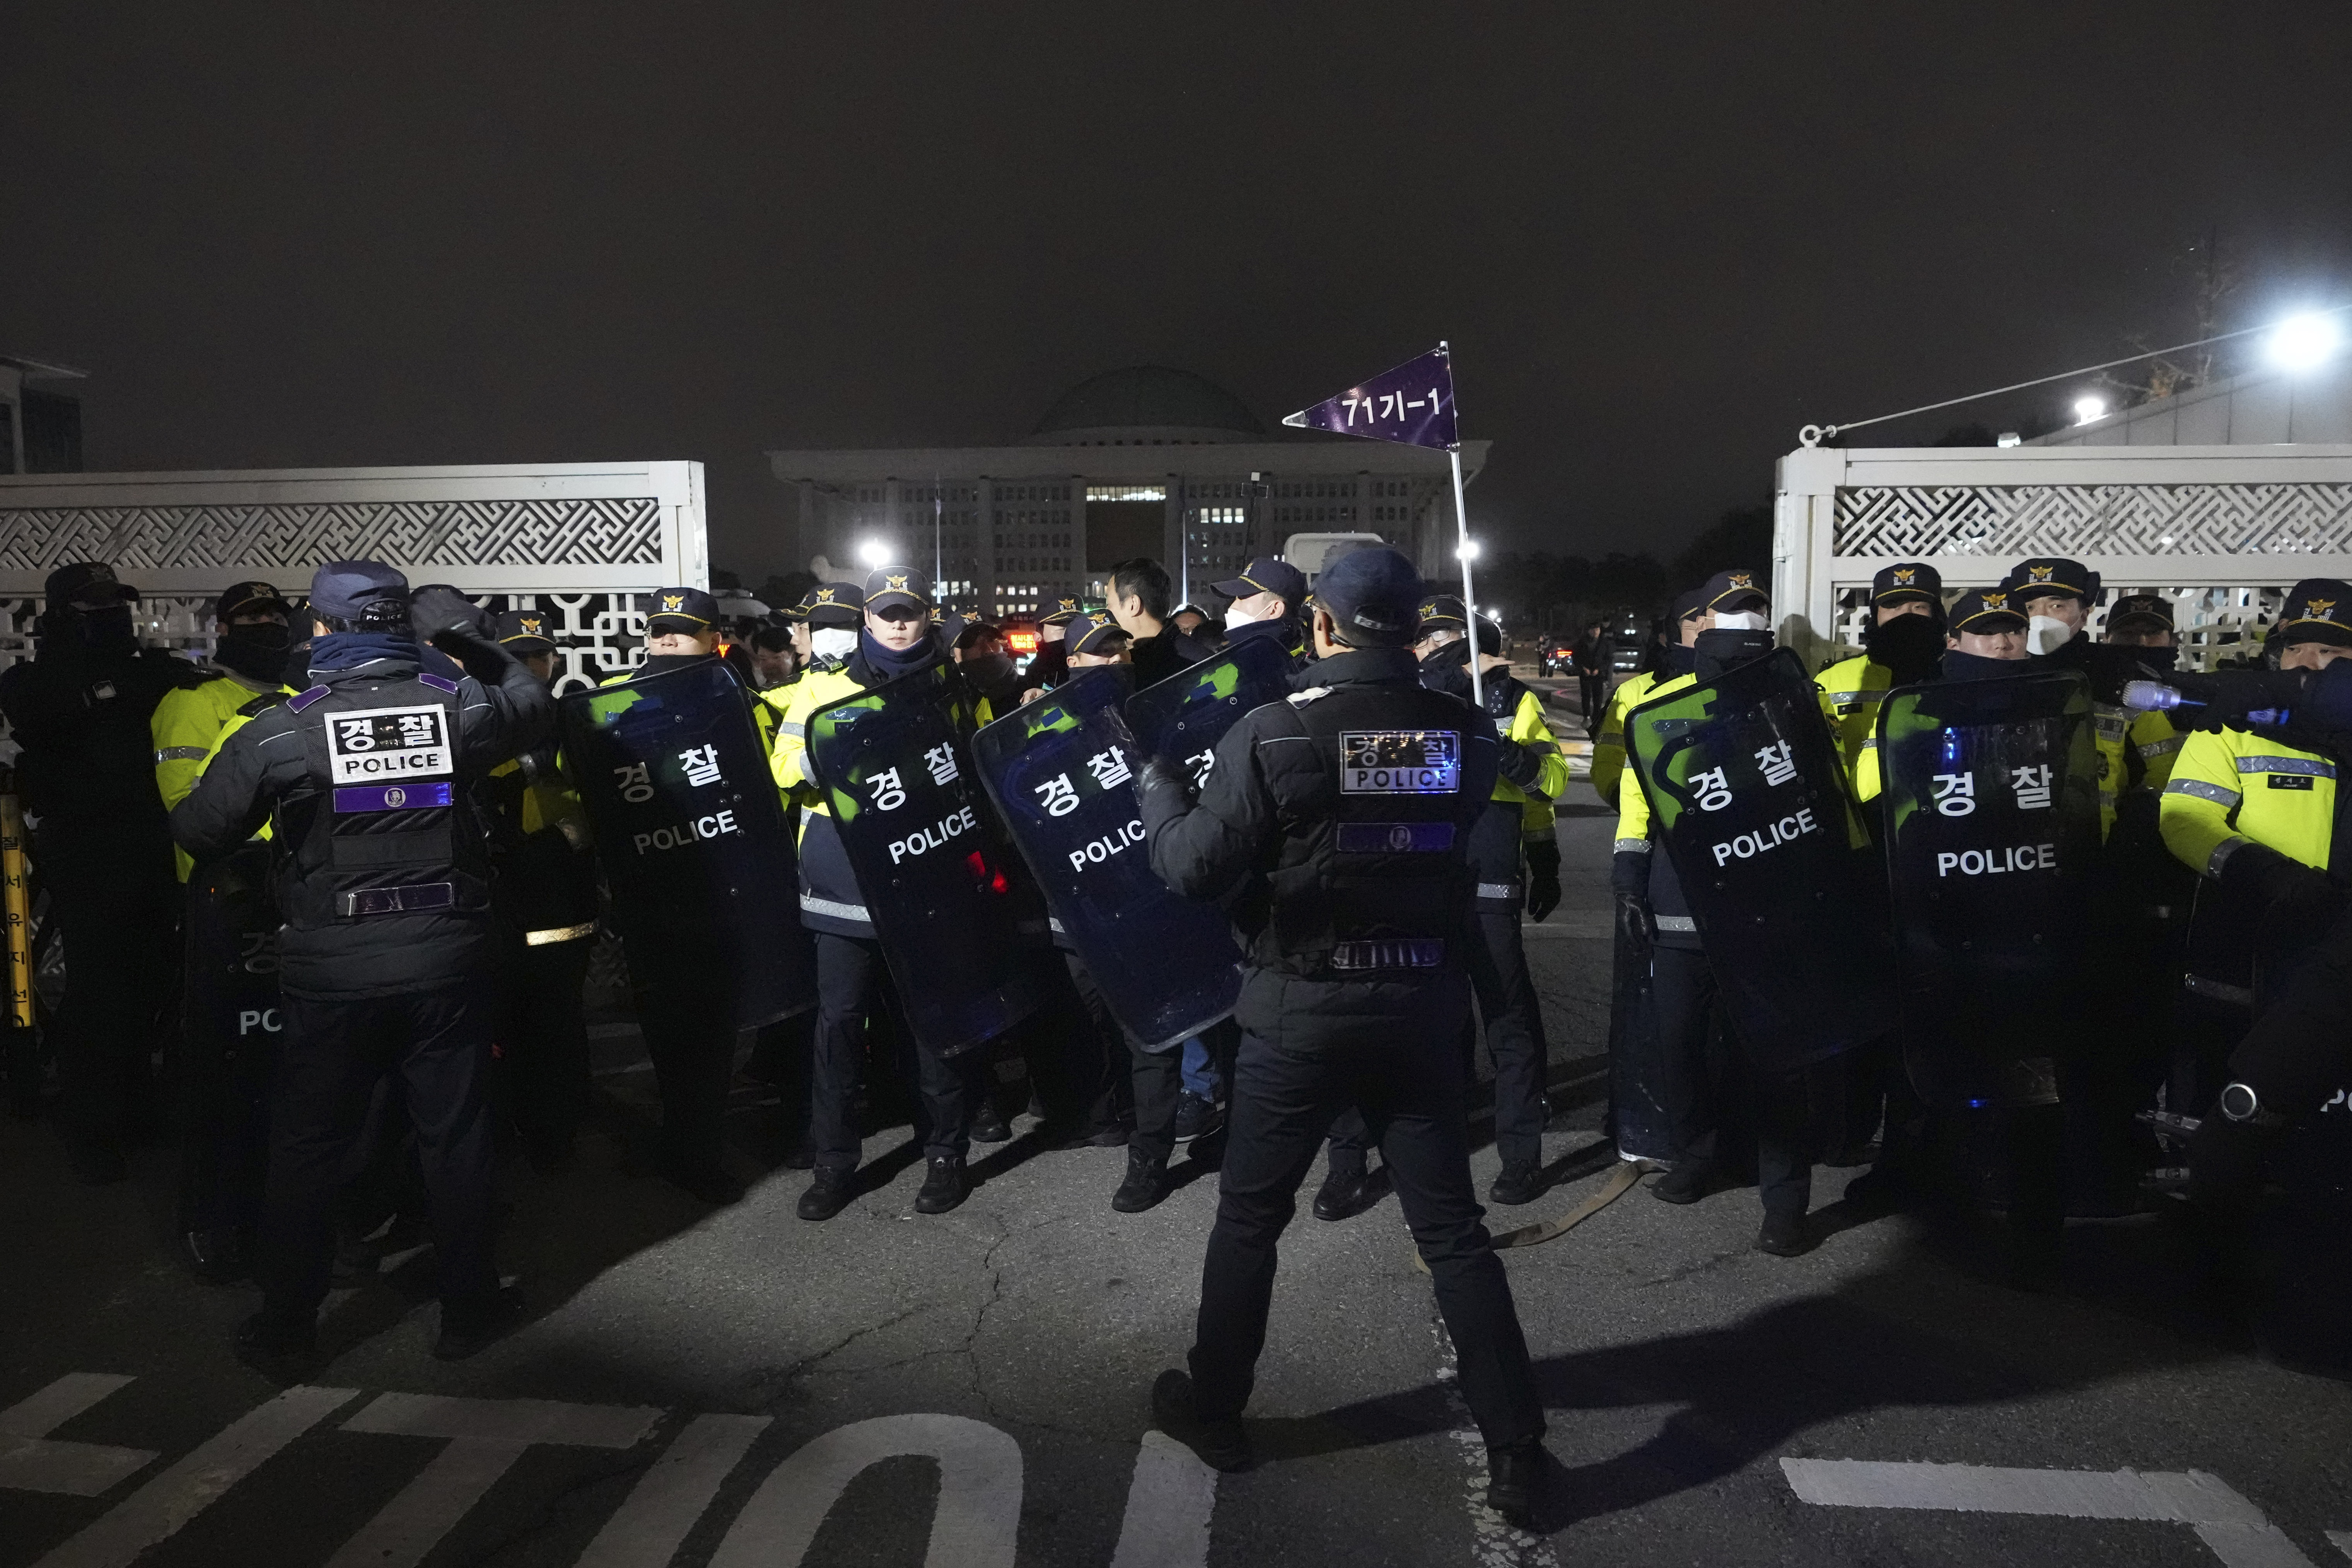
[
  {"x": 387, "y": 954},
  {"x": 894, "y": 640},
  {"x": 1337, "y": 826},
  {"x": 227, "y": 1042},
  {"x": 80, "y": 710},
  {"x": 543, "y": 893}
]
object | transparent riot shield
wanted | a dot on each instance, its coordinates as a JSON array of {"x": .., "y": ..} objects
[
  {"x": 692, "y": 835},
  {"x": 960, "y": 924},
  {"x": 1637, "y": 1088},
  {"x": 1060, "y": 771},
  {"x": 1990, "y": 807},
  {"x": 1746, "y": 795},
  {"x": 1181, "y": 720}
]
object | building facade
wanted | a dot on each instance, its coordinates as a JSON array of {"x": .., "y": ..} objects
[{"x": 1143, "y": 461}]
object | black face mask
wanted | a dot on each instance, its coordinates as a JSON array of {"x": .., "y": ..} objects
[
  {"x": 1960, "y": 666},
  {"x": 987, "y": 670},
  {"x": 1723, "y": 648},
  {"x": 257, "y": 651},
  {"x": 106, "y": 629},
  {"x": 1908, "y": 646},
  {"x": 2159, "y": 659}
]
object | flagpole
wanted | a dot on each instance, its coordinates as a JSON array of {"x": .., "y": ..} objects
[{"x": 1469, "y": 599}]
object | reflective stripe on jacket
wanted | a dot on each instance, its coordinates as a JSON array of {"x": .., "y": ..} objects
[{"x": 2230, "y": 784}]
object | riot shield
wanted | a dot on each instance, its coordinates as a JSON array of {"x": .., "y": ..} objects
[
  {"x": 1060, "y": 771},
  {"x": 1637, "y": 1089},
  {"x": 692, "y": 837},
  {"x": 1748, "y": 797},
  {"x": 229, "y": 1028},
  {"x": 1181, "y": 720},
  {"x": 1990, "y": 807},
  {"x": 959, "y": 925}
]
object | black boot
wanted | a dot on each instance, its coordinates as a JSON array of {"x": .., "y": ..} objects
[
  {"x": 945, "y": 1187},
  {"x": 1785, "y": 1233},
  {"x": 1688, "y": 1182},
  {"x": 1513, "y": 1475},
  {"x": 1220, "y": 1441},
  {"x": 217, "y": 1255},
  {"x": 829, "y": 1192},
  {"x": 1519, "y": 1183},
  {"x": 1145, "y": 1184},
  {"x": 1345, "y": 1193}
]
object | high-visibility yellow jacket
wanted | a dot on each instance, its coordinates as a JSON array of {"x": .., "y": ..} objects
[
  {"x": 1530, "y": 729},
  {"x": 2230, "y": 784},
  {"x": 1632, "y": 805},
  {"x": 188, "y": 726},
  {"x": 1609, "y": 745},
  {"x": 2137, "y": 750},
  {"x": 1851, "y": 690}
]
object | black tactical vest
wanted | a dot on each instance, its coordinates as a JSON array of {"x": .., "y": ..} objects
[
  {"x": 1372, "y": 877},
  {"x": 379, "y": 835}
]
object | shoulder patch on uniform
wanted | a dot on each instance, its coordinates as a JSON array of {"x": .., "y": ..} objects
[
  {"x": 304, "y": 700},
  {"x": 1313, "y": 693},
  {"x": 438, "y": 682},
  {"x": 264, "y": 704}
]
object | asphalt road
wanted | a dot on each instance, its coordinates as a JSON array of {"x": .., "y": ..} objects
[{"x": 741, "y": 1387}]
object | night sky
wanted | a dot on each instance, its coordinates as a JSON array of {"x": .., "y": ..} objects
[{"x": 1660, "y": 239}]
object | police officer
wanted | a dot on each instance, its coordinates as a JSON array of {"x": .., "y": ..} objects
[
  {"x": 1336, "y": 825},
  {"x": 387, "y": 954},
  {"x": 79, "y": 709},
  {"x": 229, "y": 1001},
  {"x": 1265, "y": 600},
  {"x": 1902, "y": 643},
  {"x": 894, "y": 640},
  {"x": 1691, "y": 615},
  {"x": 543, "y": 896},
  {"x": 1050, "y": 665},
  {"x": 776, "y": 654}
]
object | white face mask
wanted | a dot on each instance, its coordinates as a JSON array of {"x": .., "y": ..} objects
[
  {"x": 1738, "y": 621},
  {"x": 832, "y": 642},
  {"x": 1237, "y": 616},
  {"x": 2047, "y": 633}
]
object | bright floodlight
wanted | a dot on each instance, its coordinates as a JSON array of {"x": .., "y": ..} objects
[
  {"x": 1467, "y": 550},
  {"x": 875, "y": 554},
  {"x": 2089, "y": 409},
  {"x": 1496, "y": 616},
  {"x": 2305, "y": 342}
]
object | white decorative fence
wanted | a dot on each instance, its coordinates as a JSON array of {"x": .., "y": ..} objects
[
  {"x": 2221, "y": 530},
  {"x": 584, "y": 542}
]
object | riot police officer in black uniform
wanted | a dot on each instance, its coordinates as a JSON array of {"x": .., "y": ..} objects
[
  {"x": 387, "y": 953},
  {"x": 80, "y": 710},
  {"x": 1336, "y": 824}
]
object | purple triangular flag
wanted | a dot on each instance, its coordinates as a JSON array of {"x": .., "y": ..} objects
[{"x": 1412, "y": 404}]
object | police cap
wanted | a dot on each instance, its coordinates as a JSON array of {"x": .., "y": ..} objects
[
  {"x": 1372, "y": 595},
  {"x": 1442, "y": 613},
  {"x": 1689, "y": 605},
  {"x": 525, "y": 632},
  {"x": 688, "y": 610},
  {"x": 1064, "y": 612},
  {"x": 357, "y": 590},
  {"x": 888, "y": 585},
  {"x": 1267, "y": 574},
  {"x": 1905, "y": 581},
  {"x": 89, "y": 583},
  {"x": 250, "y": 599},
  {"x": 834, "y": 604},
  {"x": 2317, "y": 609},
  {"x": 2151, "y": 612},
  {"x": 2042, "y": 575},
  {"x": 1095, "y": 635},
  {"x": 1987, "y": 610},
  {"x": 1733, "y": 590}
]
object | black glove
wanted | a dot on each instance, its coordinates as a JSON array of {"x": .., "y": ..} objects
[
  {"x": 435, "y": 613},
  {"x": 2278, "y": 881},
  {"x": 1543, "y": 880},
  {"x": 1162, "y": 792},
  {"x": 1635, "y": 927}
]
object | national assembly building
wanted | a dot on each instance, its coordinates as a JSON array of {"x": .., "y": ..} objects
[{"x": 1143, "y": 461}]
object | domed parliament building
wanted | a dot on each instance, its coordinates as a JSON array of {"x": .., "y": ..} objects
[{"x": 1143, "y": 461}]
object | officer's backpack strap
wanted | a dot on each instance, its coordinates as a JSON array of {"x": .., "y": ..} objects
[
  {"x": 438, "y": 682},
  {"x": 301, "y": 701}
]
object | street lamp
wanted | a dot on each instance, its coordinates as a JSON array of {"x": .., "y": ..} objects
[
  {"x": 2305, "y": 342},
  {"x": 1467, "y": 550},
  {"x": 2089, "y": 409},
  {"x": 873, "y": 553}
]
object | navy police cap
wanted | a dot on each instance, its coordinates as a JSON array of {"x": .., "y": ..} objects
[
  {"x": 344, "y": 591},
  {"x": 1372, "y": 594}
]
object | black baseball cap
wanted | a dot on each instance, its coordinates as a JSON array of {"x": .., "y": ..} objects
[
  {"x": 1372, "y": 595},
  {"x": 525, "y": 631},
  {"x": 86, "y": 582},
  {"x": 1440, "y": 612},
  {"x": 1732, "y": 591},
  {"x": 241, "y": 599},
  {"x": 687, "y": 610},
  {"x": 2152, "y": 610},
  {"x": 350, "y": 590},
  {"x": 1987, "y": 610},
  {"x": 2046, "y": 574},
  {"x": 1094, "y": 633},
  {"x": 888, "y": 585},
  {"x": 1267, "y": 574},
  {"x": 835, "y": 605},
  {"x": 1687, "y": 604},
  {"x": 2317, "y": 609},
  {"x": 1904, "y": 581}
]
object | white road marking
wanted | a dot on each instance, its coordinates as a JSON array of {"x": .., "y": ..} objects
[
  {"x": 979, "y": 1513},
  {"x": 1495, "y": 1541},
  {"x": 2232, "y": 1528},
  {"x": 32, "y": 1461},
  {"x": 671, "y": 1495},
  {"x": 485, "y": 1437},
  {"x": 1169, "y": 1505},
  {"x": 2341, "y": 1540},
  {"x": 185, "y": 1489}
]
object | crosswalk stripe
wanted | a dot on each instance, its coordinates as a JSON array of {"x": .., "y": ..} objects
[
  {"x": 32, "y": 1461},
  {"x": 671, "y": 1495},
  {"x": 1169, "y": 1506},
  {"x": 973, "y": 1524}
]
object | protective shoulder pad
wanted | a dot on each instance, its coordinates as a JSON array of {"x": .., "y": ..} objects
[
  {"x": 1312, "y": 694},
  {"x": 304, "y": 700},
  {"x": 438, "y": 682},
  {"x": 264, "y": 704}
]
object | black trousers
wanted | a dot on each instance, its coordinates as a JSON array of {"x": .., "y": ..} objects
[
  {"x": 1699, "y": 1094},
  {"x": 542, "y": 1034},
  {"x": 1513, "y": 1016},
  {"x": 1591, "y": 691},
  {"x": 118, "y": 909},
  {"x": 230, "y": 1021},
  {"x": 850, "y": 978},
  {"x": 1412, "y": 1098},
  {"x": 434, "y": 1048},
  {"x": 1077, "y": 1051},
  {"x": 690, "y": 1037}
]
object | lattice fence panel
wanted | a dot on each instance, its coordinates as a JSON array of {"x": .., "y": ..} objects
[
  {"x": 2010, "y": 521},
  {"x": 559, "y": 532}
]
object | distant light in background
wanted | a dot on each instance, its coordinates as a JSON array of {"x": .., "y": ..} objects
[
  {"x": 2009, "y": 438},
  {"x": 1467, "y": 550},
  {"x": 875, "y": 554},
  {"x": 2089, "y": 409},
  {"x": 1496, "y": 616},
  {"x": 2305, "y": 342}
]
